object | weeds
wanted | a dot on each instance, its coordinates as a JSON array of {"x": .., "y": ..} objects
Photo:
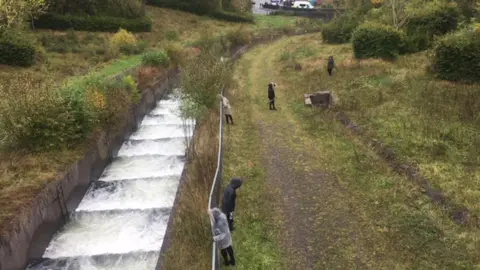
[{"x": 156, "y": 59}]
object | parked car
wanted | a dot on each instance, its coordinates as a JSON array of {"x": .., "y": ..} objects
[{"x": 302, "y": 4}]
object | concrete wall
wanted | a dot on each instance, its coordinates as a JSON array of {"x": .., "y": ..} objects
[{"x": 33, "y": 228}]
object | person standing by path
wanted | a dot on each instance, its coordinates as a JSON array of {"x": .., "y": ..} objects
[
  {"x": 222, "y": 235},
  {"x": 271, "y": 95},
  {"x": 227, "y": 109},
  {"x": 330, "y": 65},
  {"x": 229, "y": 198}
]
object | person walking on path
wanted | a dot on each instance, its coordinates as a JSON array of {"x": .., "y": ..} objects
[
  {"x": 227, "y": 109},
  {"x": 222, "y": 235},
  {"x": 330, "y": 65},
  {"x": 271, "y": 95},
  {"x": 229, "y": 198}
]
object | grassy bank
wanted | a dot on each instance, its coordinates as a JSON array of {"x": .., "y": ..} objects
[
  {"x": 357, "y": 212},
  {"x": 428, "y": 122}
]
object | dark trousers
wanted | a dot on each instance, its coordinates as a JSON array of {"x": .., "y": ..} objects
[
  {"x": 330, "y": 71},
  {"x": 229, "y": 116},
  {"x": 272, "y": 104},
  {"x": 228, "y": 252}
]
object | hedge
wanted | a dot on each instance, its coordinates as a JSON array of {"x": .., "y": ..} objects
[
  {"x": 423, "y": 26},
  {"x": 92, "y": 23},
  {"x": 15, "y": 50},
  {"x": 456, "y": 56},
  {"x": 340, "y": 30},
  {"x": 197, "y": 8},
  {"x": 373, "y": 40},
  {"x": 113, "y": 8}
]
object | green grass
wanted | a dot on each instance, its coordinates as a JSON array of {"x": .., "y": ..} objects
[
  {"x": 256, "y": 234},
  {"x": 274, "y": 21},
  {"x": 366, "y": 215},
  {"x": 432, "y": 123}
]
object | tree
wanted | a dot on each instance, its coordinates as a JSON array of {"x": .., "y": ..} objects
[{"x": 14, "y": 13}]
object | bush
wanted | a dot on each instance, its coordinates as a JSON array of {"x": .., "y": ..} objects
[
  {"x": 202, "y": 79},
  {"x": 35, "y": 116},
  {"x": 340, "y": 30},
  {"x": 239, "y": 37},
  {"x": 123, "y": 41},
  {"x": 456, "y": 56},
  {"x": 377, "y": 41},
  {"x": 429, "y": 22},
  {"x": 176, "y": 54},
  {"x": 114, "y": 8},
  {"x": 155, "y": 59},
  {"x": 92, "y": 23},
  {"x": 131, "y": 86},
  {"x": 15, "y": 49},
  {"x": 171, "y": 35}
]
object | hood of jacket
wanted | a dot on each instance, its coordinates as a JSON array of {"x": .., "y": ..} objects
[{"x": 236, "y": 182}]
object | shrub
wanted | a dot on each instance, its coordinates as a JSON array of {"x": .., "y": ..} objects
[
  {"x": 34, "y": 116},
  {"x": 114, "y": 8},
  {"x": 123, "y": 40},
  {"x": 155, "y": 59},
  {"x": 131, "y": 86},
  {"x": 92, "y": 23},
  {"x": 239, "y": 37},
  {"x": 340, "y": 29},
  {"x": 176, "y": 54},
  {"x": 171, "y": 35},
  {"x": 15, "y": 49},
  {"x": 429, "y": 22},
  {"x": 456, "y": 57},
  {"x": 377, "y": 41},
  {"x": 117, "y": 99},
  {"x": 202, "y": 79}
]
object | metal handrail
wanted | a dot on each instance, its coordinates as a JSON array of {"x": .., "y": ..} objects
[{"x": 217, "y": 181}]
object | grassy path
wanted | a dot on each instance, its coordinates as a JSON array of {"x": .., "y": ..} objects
[{"x": 316, "y": 198}]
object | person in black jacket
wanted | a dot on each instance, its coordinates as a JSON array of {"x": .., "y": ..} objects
[
  {"x": 271, "y": 95},
  {"x": 229, "y": 197},
  {"x": 330, "y": 65}
]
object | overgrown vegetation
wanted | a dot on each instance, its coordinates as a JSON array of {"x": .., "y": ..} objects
[
  {"x": 456, "y": 56},
  {"x": 377, "y": 41},
  {"x": 340, "y": 30}
]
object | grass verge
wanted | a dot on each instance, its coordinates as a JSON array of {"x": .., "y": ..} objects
[
  {"x": 434, "y": 124},
  {"x": 360, "y": 213}
]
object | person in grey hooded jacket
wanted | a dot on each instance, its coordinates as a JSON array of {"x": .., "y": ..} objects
[
  {"x": 222, "y": 235},
  {"x": 229, "y": 198}
]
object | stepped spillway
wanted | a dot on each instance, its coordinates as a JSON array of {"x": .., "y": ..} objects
[{"x": 122, "y": 219}]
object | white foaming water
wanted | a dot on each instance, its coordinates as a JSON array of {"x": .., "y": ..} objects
[
  {"x": 152, "y": 120},
  {"x": 121, "y": 221},
  {"x": 143, "y": 167},
  {"x": 174, "y": 147},
  {"x": 143, "y": 260},
  {"x": 96, "y": 233},
  {"x": 135, "y": 194},
  {"x": 161, "y": 132}
]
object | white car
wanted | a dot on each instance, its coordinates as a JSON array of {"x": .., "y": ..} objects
[{"x": 302, "y": 4}]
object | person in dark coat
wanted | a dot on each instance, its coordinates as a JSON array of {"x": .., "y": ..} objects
[
  {"x": 222, "y": 235},
  {"x": 330, "y": 65},
  {"x": 229, "y": 197},
  {"x": 271, "y": 95}
]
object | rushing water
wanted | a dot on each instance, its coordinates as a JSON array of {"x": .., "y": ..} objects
[{"x": 121, "y": 221}]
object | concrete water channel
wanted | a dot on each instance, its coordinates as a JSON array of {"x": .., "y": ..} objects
[{"x": 122, "y": 219}]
